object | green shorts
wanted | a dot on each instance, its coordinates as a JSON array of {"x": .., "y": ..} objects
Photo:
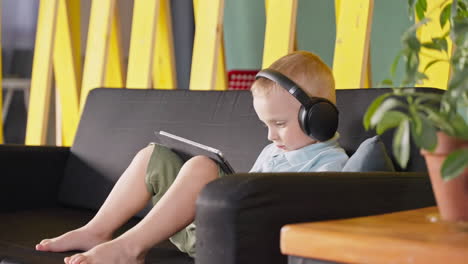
[{"x": 163, "y": 167}]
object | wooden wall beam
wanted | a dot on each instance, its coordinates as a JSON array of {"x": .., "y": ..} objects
[
  {"x": 38, "y": 110},
  {"x": 97, "y": 47},
  {"x": 351, "y": 58},
  {"x": 141, "y": 54},
  {"x": 209, "y": 24},
  {"x": 115, "y": 77},
  {"x": 280, "y": 30},
  {"x": 164, "y": 70},
  {"x": 67, "y": 82}
]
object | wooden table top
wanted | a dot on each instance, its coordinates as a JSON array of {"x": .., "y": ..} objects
[{"x": 416, "y": 236}]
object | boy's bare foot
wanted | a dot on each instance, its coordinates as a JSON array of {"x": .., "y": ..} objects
[
  {"x": 115, "y": 251},
  {"x": 78, "y": 239}
]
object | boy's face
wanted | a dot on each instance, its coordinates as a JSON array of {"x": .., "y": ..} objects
[{"x": 279, "y": 110}]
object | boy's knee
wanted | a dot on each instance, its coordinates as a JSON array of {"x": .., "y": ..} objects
[
  {"x": 201, "y": 162},
  {"x": 145, "y": 152}
]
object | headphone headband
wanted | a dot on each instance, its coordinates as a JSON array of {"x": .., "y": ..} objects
[{"x": 286, "y": 83}]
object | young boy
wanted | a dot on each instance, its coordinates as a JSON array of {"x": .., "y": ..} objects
[{"x": 157, "y": 173}]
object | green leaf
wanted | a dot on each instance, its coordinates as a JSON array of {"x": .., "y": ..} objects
[
  {"x": 386, "y": 83},
  {"x": 372, "y": 108},
  {"x": 390, "y": 119},
  {"x": 461, "y": 5},
  {"x": 388, "y": 104},
  {"x": 401, "y": 144},
  {"x": 460, "y": 25},
  {"x": 420, "y": 77},
  {"x": 431, "y": 45},
  {"x": 419, "y": 10},
  {"x": 458, "y": 78},
  {"x": 423, "y": 4},
  {"x": 426, "y": 136},
  {"x": 404, "y": 91},
  {"x": 454, "y": 164},
  {"x": 460, "y": 126},
  {"x": 432, "y": 63},
  {"x": 413, "y": 43},
  {"x": 442, "y": 42},
  {"x": 433, "y": 97},
  {"x": 410, "y": 9},
  {"x": 436, "y": 44},
  {"x": 445, "y": 15},
  {"x": 438, "y": 119},
  {"x": 395, "y": 63},
  {"x": 416, "y": 122}
]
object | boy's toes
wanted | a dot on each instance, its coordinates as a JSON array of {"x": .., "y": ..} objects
[
  {"x": 43, "y": 244},
  {"x": 44, "y": 241},
  {"x": 75, "y": 259}
]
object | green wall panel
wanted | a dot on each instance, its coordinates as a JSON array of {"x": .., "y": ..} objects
[
  {"x": 389, "y": 22},
  {"x": 244, "y": 29},
  {"x": 316, "y": 28}
]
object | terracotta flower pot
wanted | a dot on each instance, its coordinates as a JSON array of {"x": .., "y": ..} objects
[{"x": 452, "y": 195}]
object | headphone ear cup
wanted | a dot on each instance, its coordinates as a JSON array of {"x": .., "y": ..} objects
[
  {"x": 304, "y": 120},
  {"x": 322, "y": 121}
]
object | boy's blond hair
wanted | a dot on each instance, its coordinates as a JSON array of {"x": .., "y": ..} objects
[{"x": 305, "y": 69}]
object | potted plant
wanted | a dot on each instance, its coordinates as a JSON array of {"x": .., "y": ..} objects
[{"x": 438, "y": 123}]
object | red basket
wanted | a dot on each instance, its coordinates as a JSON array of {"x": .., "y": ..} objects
[{"x": 241, "y": 79}]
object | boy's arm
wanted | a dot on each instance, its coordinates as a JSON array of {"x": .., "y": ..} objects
[{"x": 239, "y": 217}]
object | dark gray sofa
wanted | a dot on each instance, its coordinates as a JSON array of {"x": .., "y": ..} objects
[{"x": 46, "y": 190}]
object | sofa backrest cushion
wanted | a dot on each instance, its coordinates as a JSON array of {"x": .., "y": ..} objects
[
  {"x": 116, "y": 123},
  {"x": 370, "y": 156},
  {"x": 352, "y": 104}
]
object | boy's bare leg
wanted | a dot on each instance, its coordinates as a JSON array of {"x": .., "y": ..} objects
[
  {"x": 174, "y": 211},
  {"x": 128, "y": 196}
]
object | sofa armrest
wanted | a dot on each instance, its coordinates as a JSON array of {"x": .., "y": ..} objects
[
  {"x": 239, "y": 217},
  {"x": 30, "y": 176}
]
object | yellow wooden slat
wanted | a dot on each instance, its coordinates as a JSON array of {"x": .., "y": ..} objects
[
  {"x": 368, "y": 67},
  {"x": 74, "y": 16},
  {"x": 65, "y": 75},
  {"x": 140, "y": 58},
  {"x": 209, "y": 24},
  {"x": 438, "y": 73},
  {"x": 350, "y": 63},
  {"x": 220, "y": 78},
  {"x": 38, "y": 110},
  {"x": 1, "y": 79},
  {"x": 295, "y": 47},
  {"x": 280, "y": 30},
  {"x": 59, "y": 127},
  {"x": 164, "y": 73},
  {"x": 96, "y": 47},
  {"x": 337, "y": 11},
  {"x": 115, "y": 77}
]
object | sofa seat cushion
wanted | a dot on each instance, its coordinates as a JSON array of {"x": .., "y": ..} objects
[{"x": 21, "y": 231}]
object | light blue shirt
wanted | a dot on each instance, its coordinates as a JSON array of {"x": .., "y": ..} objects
[{"x": 321, "y": 156}]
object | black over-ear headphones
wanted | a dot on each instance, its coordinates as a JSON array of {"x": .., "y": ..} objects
[{"x": 318, "y": 117}]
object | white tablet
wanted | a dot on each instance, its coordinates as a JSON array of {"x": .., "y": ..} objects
[{"x": 188, "y": 148}]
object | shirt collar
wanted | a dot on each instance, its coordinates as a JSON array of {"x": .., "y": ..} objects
[{"x": 302, "y": 155}]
